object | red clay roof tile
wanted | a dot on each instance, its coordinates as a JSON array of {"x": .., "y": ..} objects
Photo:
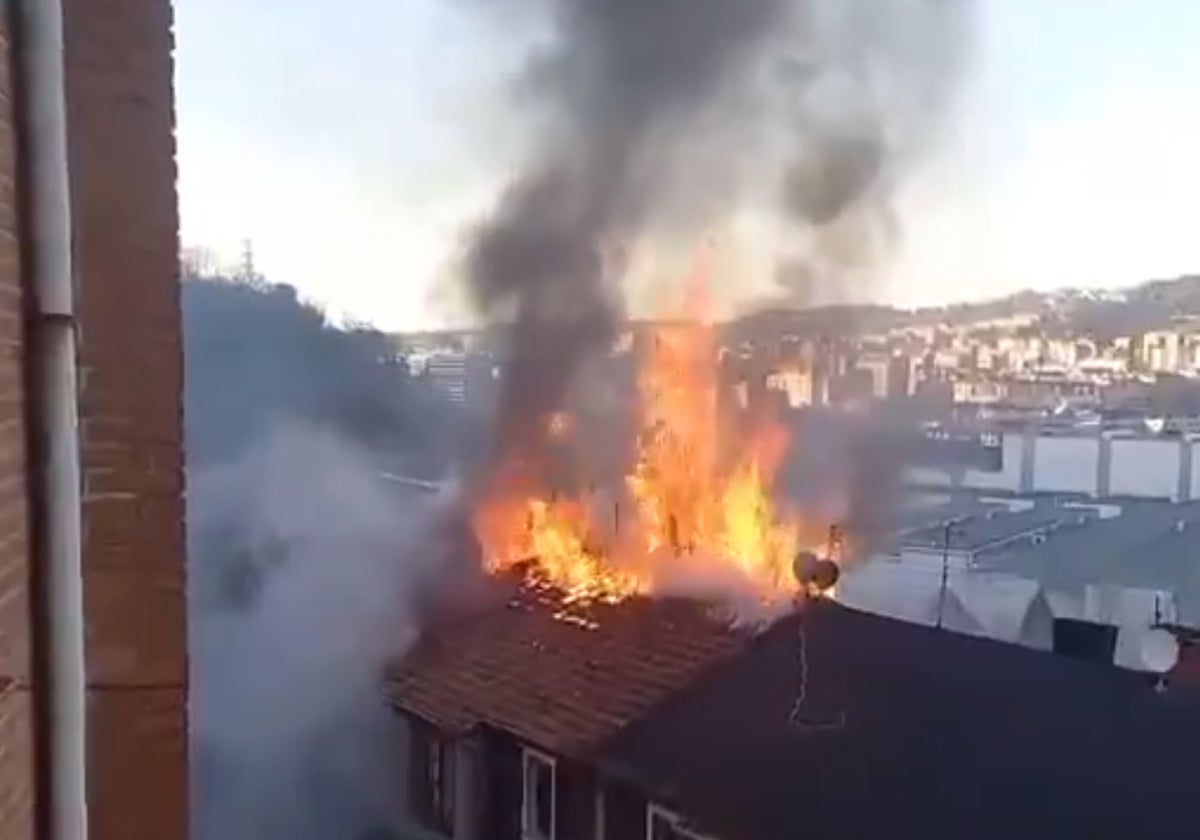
[{"x": 560, "y": 682}]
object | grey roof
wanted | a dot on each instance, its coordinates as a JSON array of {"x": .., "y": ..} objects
[
  {"x": 914, "y": 518},
  {"x": 940, "y": 734},
  {"x": 991, "y": 528},
  {"x": 1152, "y": 545}
]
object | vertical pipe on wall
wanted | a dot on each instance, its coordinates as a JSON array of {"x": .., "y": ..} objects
[{"x": 54, "y": 409}]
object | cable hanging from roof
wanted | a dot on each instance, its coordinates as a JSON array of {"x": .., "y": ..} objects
[{"x": 816, "y": 577}]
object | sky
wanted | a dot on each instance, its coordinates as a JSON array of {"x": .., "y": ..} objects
[{"x": 352, "y": 143}]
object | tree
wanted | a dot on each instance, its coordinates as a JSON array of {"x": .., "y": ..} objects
[{"x": 255, "y": 354}]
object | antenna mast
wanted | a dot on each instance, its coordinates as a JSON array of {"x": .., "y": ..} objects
[{"x": 247, "y": 270}]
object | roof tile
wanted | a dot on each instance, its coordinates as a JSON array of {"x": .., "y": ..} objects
[{"x": 561, "y": 684}]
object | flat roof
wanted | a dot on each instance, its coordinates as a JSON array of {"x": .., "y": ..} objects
[
  {"x": 1151, "y": 545},
  {"x": 989, "y": 525}
]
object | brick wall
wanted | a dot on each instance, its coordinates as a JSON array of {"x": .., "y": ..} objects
[
  {"x": 122, "y": 162},
  {"x": 16, "y": 754},
  {"x": 121, "y": 148}
]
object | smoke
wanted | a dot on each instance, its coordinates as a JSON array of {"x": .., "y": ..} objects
[
  {"x": 656, "y": 120},
  {"x": 846, "y": 470},
  {"x": 307, "y": 575},
  {"x": 617, "y": 93},
  {"x": 871, "y": 86},
  {"x": 256, "y": 354}
]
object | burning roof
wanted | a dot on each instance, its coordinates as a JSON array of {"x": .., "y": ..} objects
[
  {"x": 562, "y": 677},
  {"x": 702, "y": 717},
  {"x": 696, "y": 511}
]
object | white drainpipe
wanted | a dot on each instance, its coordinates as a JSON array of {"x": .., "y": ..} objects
[{"x": 53, "y": 341}]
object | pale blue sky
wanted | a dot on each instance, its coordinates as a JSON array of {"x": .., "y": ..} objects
[{"x": 351, "y": 140}]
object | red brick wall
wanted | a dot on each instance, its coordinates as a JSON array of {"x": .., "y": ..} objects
[
  {"x": 121, "y": 147},
  {"x": 16, "y": 754},
  {"x": 122, "y": 161}
]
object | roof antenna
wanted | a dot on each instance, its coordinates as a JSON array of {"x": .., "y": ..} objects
[
  {"x": 816, "y": 576},
  {"x": 947, "y": 534}
]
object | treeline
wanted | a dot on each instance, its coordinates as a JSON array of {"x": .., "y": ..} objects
[{"x": 255, "y": 354}]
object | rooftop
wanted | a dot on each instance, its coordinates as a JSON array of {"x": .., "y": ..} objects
[
  {"x": 560, "y": 679},
  {"x": 905, "y": 731},
  {"x": 1151, "y": 545},
  {"x": 986, "y": 527},
  {"x": 942, "y": 736}
]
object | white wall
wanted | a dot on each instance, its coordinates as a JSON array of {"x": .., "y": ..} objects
[
  {"x": 927, "y": 476},
  {"x": 1009, "y": 476},
  {"x": 1066, "y": 464},
  {"x": 1145, "y": 468},
  {"x": 983, "y": 604},
  {"x": 1195, "y": 494},
  {"x": 1138, "y": 467}
]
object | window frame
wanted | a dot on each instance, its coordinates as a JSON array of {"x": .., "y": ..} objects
[
  {"x": 444, "y": 789},
  {"x": 434, "y": 760},
  {"x": 529, "y": 829},
  {"x": 676, "y": 820}
]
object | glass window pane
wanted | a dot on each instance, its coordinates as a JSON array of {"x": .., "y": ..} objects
[{"x": 545, "y": 799}]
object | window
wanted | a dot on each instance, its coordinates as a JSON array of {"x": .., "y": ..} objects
[
  {"x": 662, "y": 824},
  {"x": 434, "y": 779},
  {"x": 442, "y": 780},
  {"x": 601, "y": 830},
  {"x": 537, "y": 800}
]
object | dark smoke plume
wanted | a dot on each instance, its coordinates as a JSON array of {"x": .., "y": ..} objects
[
  {"x": 621, "y": 85},
  {"x": 870, "y": 86},
  {"x": 638, "y": 99}
]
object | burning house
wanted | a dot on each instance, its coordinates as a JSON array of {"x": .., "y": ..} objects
[
  {"x": 651, "y": 656},
  {"x": 651, "y": 718},
  {"x": 685, "y": 675}
]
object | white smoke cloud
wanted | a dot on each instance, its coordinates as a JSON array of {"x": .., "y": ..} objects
[{"x": 305, "y": 572}]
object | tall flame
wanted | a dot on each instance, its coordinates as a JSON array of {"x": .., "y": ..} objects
[{"x": 699, "y": 490}]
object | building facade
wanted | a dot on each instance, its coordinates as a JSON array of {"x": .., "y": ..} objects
[
  {"x": 92, "y": 597},
  {"x": 531, "y": 720}
]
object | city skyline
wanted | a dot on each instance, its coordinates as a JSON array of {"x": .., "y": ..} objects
[{"x": 1069, "y": 164}]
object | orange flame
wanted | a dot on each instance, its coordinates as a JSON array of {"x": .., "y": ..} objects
[{"x": 699, "y": 491}]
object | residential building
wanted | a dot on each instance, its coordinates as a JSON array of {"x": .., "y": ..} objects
[
  {"x": 526, "y": 719},
  {"x": 879, "y": 368},
  {"x": 901, "y": 376},
  {"x": 448, "y": 373},
  {"x": 796, "y": 383},
  {"x": 1079, "y": 459},
  {"x": 1014, "y": 568},
  {"x": 93, "y": 669},
  {"x": 1161, "y": 351}
]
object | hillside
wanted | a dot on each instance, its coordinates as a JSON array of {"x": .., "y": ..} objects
[{"x": 1103, "y": 315}]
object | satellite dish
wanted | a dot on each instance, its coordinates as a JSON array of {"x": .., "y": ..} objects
[
  {"x": 1159, "y": 650},
  {"x": 815, "y": 573}
]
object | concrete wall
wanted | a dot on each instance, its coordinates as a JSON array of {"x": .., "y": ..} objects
[
  {"x": 1145, "y": 468},
  {"x": 928, "y": 476},
  {"x": 1066, "y": 464},
  {"x": 1139, "y": 467},
  {"x": 1009, "y": 475}
]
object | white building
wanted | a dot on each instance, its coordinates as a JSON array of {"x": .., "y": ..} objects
[
  {"x": 447, "y": 371},
  {"x": 1090, "y": 463}
]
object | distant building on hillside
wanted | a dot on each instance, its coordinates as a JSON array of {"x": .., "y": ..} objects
[{"x": 447, "y": 371}]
